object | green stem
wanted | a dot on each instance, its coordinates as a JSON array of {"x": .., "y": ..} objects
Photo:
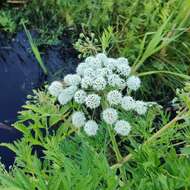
[
  {"x": 114, "y": 143},
  {"x": 117, "y": 153},
  {"x": 165, "y": 72}
]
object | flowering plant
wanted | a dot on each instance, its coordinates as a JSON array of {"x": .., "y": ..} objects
[{"x": 104, "y": 84}]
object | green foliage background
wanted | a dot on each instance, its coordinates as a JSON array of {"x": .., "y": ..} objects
[
  {"x": 154, "y": 36},
  {"x": 138, "y": 30}
]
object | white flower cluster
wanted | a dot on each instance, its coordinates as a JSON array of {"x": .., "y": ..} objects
[{"x": 96, "y": 80}]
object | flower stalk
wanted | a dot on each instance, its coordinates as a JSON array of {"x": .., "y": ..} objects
[{"x": 152, "y": 138}]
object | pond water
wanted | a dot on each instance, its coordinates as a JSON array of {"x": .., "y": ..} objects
[{"x": 19, "y": 74}]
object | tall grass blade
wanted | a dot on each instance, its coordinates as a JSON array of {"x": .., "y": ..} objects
[
  {"x": 171, "y": 29},
  {"x": 35, "y": 50}
]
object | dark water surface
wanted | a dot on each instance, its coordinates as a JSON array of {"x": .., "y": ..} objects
[{"x": 19, "y": 74}]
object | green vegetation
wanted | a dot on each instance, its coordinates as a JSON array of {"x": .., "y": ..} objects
[
  {"x": 35, "y": 50},
  {"x": 154, "y": 36},
  {"x": 157, "y": 152},
  {"x": 6, "y": 22}
]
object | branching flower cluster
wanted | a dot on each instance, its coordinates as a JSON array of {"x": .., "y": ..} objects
[{"x": 99, "y": 83}]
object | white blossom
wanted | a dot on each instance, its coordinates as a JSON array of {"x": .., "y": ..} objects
[
  {"x": 86, "y": 82},
  {"x": 104, "y": 72},
  {"x": 99, "y": 83},
  {"x": 105, "y": 76},
  {"x": 123, "y": 69},
  {"x": 116, "y": 81},
  {"x": 92, "y": 101},
  {"x": 81, "y": 67},
  {"x": 72, "y": 79},
  {"x": 102, "y": 57},
  {"x": 128, "y": 103},
  {"x": 110, "y": 115},
  {"x": 80, "y": 96},
  {"x": 123, "y": 60},
  {"x": 91, "y": 128},
  {"x": 90, "y": 72},
  {"x": 78, "y": 119},
  {"x": 133, "y": 83},
  {"x": 122, "y": 127},
  {"x": 93, "y": 62},
  {"x": 141, "y": 107},
  {"x": 114, "y": 97},
  {"x": 66, "y": 95},
  {"x": 110, "y": 63},
  {"x": 55, "y": 88}
]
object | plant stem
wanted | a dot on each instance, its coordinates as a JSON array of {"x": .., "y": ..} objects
[
  {"x": 152, "y": 138},
  {"x": 114, "y": 143},
  {"x": 117, "y": 152},
  {"x": 165, "y": 72}
]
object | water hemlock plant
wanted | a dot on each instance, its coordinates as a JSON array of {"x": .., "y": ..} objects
[{"x": 101, "y": 88}]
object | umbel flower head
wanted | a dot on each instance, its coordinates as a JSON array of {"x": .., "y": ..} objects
[
  {"x": 67, "y": 94},
  {"x": 122, "y": 127},
  {"x": 133, "y": 83},
  {"x": 55, "y": 88},
  {"x": 99, "y": 83},
  {"x": 128, "y": 103},
  {"x": 97, "y": 88},
  {"x": 92, "y": 101},
  {"x": 110, "y": 115},
  {"x": 78, "y": 119},
  {"x": 91, "y": 128},
  {"x": 72, "y": 79},
  {"x": 114, "y": 97},
  {"x": 80, "y": 96}
]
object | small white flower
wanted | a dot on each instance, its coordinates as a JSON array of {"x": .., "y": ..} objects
[
  {"x": 90, "y": 72},
  {"x": 123, "y": 60},
  {"x": 110, "y": 115},
  {"x": 66, "y": 95},
  {"x": 123, "y": 69},
  {"x": 128, "y": 103},
  {"x": 114, "y": 97},
  {"x": 78, "y": 119},
  {"x": 133, "y": 83},
  {"x": 99, "y": 83},
  {"x": 55, "y": 88},
  {"x": 141, "y": 107},
  {"x": 72, "y": 79},
  {"x": 102, "y": 57},
  {"x": 93, "y": 62},
  {"x": 80, "y": 96},
  {"x": 115, "y": 81},
  {"x": 122, "y": 127},
  {"x": 86, "y": 82},
  {"x": 110, "y": 63},
  {"x": 104, "y": 72},
  {"x": 91, "y": 128},
  {"x": 92, "y": 101},
  {"x": 81, "y": 67}
]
